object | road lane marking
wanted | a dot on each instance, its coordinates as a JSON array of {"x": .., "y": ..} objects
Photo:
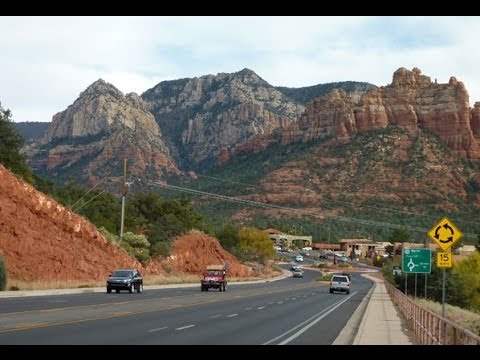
[
  {"x": 185, "y": 327},
  {"x": 30, "y": 326},
  {"x": 270, "y": 303},
  {"x": 121, "y": 314},
  {"x": 158, "y": 329},
  {"x": 215, "y": 316},
  {"x": 261, "y": 307},
  {"x": 232, "y": 315},
  {"x": 307, "y": 324},
  {"x": 279, "y": 302}
]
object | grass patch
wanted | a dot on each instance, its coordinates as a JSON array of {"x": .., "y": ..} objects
[
  {"x": 168, "y": 279},
  {"x": 467, "y": 319},
  {"x": 56, "y": 284}
]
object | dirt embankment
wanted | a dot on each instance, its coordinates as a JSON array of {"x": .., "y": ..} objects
[{"x": 43, "y": 241}]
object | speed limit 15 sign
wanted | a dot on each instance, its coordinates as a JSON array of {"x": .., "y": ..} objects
[{"x": 444, "y": 260}]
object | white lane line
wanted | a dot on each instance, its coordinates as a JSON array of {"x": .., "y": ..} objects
[
  {"x": 316, "y": 318},
  {"x": 232, "y": 315},
  {"x": 261, "y": 307},
  {"x": 279, "y": 302},
  {"x": 270, "y": 303},
  {"x": 158, "y": 329},
  {"x": 249, "y": 308},
  {"x": 215, "y": 316},
  {"x": 293, "y": 299},
  {"x": 304, "y": 296},
  {"x": 184, "y": 327}
]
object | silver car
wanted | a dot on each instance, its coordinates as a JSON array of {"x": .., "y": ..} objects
[{"x": 298, "y": 273}]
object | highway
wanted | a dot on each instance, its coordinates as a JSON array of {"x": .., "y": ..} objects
[{"x": 296, "y": 311}]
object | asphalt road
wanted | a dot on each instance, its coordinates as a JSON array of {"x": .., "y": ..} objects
[{"x": 288, "y": 311}]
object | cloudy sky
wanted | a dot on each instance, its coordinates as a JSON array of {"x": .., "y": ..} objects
[{"x": 47, "y": 61}]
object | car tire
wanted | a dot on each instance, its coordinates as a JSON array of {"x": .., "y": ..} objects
[
  {"x": 139, "y": 288},
  {"x": 348, "y": 292},
  {"x": 109, "y": 290},
  {"x": 117, "y": 291},
  {"x": 331, "y": 291},
  {"x": 224, "y": 287},
  {"x": 130, "y": 289}
]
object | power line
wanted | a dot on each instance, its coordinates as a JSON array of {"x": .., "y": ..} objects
[{"x": 325, "y": 214}]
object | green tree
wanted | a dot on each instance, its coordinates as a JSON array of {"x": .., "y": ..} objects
[
  {"x": 228, "y": 236},
  {"x": 137, "y": 246},
  {"x": 3, "y": 273},
  {"x": 399, "y": 235},
  {"x": 256, "y": 244},
  {"x": 11, "y": 143},
  {"x": 468, "y": 275}
]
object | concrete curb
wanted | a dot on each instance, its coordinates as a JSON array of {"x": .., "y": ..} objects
[{"x": 350, "y": 331}]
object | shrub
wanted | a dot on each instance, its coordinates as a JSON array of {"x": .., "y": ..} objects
[{"x": 3, "y": 274}]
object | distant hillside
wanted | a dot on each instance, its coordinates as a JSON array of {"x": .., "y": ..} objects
[
  {"x": 368, "y": 186},
  {"x": 31, "y": 130},
  {"x": 304, "y": 95}
]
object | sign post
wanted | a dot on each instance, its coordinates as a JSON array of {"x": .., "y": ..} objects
[{"x": 445, "y": 234}]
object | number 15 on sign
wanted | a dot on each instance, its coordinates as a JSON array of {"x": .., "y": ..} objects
[{"x": 444, "y": 260}]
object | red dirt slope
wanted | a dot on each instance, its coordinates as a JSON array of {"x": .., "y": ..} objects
[
  {"x": 191, "y": 253},
  {"x": 42, "y": 240}
]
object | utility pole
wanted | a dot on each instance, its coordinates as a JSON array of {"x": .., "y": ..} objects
[{"x": 123, "y": 196}]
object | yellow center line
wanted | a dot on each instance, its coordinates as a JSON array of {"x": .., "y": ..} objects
[{"x": 127, "y": 313}]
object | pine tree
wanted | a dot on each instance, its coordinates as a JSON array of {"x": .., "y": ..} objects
[{"x": 11, "y": 143}]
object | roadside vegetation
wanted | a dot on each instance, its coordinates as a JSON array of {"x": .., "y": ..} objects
[
  {"x": 3, "y": 273},
  {"x": 462, "y": 296}
]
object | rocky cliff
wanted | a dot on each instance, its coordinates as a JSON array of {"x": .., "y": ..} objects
[
  {"x": 207, "y": 117},
  {"x": 95, "y": 133},
  {"x": 412, "y": 101}
]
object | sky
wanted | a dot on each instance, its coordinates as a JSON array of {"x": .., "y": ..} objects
[{"x": 46, "y": 62}]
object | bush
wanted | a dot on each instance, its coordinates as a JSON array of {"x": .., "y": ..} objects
[{"x": 3, "y": 274}]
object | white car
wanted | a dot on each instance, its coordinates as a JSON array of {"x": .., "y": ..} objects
[
  {"x": 307, "y": 248},
  {"x": 340, "y": 283},
  {"x": 299, "y": 258}
]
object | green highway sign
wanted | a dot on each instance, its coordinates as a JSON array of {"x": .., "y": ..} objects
[{"x": 415, "y": 261}]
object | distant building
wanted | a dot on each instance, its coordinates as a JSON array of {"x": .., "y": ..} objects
[
  {"x": 326, "y": 247},
  {"x": 288, "y": 240},
  {"x": 357, "y": 247}
]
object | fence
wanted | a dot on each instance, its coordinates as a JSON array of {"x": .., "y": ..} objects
[{"x": 430, "y": 328}]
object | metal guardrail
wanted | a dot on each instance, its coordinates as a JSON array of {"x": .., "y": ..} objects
[{"x": 430, "y": 328}]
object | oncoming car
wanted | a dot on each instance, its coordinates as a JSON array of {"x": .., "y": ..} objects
[
  {"x": 125, "y": 279},
  {"x": 297, "y": 273}
]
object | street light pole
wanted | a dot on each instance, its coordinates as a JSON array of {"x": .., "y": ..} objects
[{"x": 123, "y": 196}]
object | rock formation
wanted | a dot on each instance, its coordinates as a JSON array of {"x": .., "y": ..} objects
[
  {"x": 206, "y": 117},
  {"x": 104, "y": 126},
  {"x": 411, "y": 101}
]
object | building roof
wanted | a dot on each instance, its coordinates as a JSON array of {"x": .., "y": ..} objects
[
  {"x": 325, "y": 246},
  {"x": 355, "y": 241},
  {"x": 273, "y": 231}
]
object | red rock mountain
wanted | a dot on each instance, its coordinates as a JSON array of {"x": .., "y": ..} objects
[{"x": 411, "y": 101}]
